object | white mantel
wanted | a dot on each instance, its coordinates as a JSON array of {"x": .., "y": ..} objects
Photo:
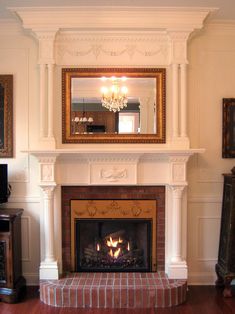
[
  {"x": 126, "y": 166},
  {"x": 117, "y": 37}
]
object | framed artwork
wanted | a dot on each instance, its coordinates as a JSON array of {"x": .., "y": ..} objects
[
  {"x": 228, "y": 144},
  {"x": 6, "y": 116}
]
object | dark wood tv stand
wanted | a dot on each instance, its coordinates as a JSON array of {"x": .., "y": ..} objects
[{"x": 12, "y": 283}]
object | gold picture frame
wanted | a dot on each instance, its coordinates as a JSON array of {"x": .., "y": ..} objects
[
  {"x": 158, "y": 73},
  {"x": 6, "y": 116}
]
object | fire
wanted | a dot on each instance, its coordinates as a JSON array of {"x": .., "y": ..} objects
[
  {"x": 97, "y": 247},
  {"x": 112, "y": 243},
  {"x": 115, "y": 254},
  {"x": 128, "y": 246}
]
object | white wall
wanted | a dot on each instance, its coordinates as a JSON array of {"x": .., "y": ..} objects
[
  {"x": 18, "y": 56},
  {"x": 211, "y": 77}
]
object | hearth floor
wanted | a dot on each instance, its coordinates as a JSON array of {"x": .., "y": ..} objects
[{"x": 113, "y": 290}]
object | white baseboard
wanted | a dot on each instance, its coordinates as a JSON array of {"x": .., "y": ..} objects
[
  {"x": 32, "y": 279},
  {"x": 202, "y": 279}
]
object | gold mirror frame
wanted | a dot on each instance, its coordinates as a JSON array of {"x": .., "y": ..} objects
[{"x": 158, "y": 73}]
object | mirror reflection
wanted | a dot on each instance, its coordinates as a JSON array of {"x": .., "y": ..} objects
[{"x": 113, "y": 105}]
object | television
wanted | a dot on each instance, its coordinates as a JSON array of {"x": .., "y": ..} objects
[{"x": 4, "y": 191}]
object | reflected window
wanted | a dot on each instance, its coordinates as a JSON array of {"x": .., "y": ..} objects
[{"x": 128, "y": 122}]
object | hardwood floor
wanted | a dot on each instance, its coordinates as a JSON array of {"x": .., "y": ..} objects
[{"x": 201, "y": 300}]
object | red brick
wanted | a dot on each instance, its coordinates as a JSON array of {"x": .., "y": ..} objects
[
  {"x": 87, "y": 297},
  {"x": 152, "y": 297},
  {"x": 102, "y": 302},
  {"x": 80, "y": 302},
  {"x": 116, "y": 298},
  {"x": 159, "y": 298},
  {"x": 123, "y": 297},
  {"x": 94, "y": 297},
  {"x": 145, "y": 297},
  {"x": 58, "y": 296},
  {"x": 138, "y": 297},
  {"x": 131, "y": 297},
  {"x": 109, "y": 297},
  {"x": 73, "y": 297}
]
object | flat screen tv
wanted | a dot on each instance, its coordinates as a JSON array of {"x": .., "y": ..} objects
[{"x": 3, "y": 183}]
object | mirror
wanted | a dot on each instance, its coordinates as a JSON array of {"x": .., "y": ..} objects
[{"x": 113, "y": 105}]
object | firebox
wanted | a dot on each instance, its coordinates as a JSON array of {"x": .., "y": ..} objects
[
  {"x": 113, "y": 245},
  {"x": 113, "y": 235}
]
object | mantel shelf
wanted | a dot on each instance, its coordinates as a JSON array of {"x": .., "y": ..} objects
[{"x": 108, "y": 151}]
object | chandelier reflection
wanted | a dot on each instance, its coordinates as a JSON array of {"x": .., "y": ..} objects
[
  {"x": 114, "y": 97},
  {"x": 82, "y": 121}
]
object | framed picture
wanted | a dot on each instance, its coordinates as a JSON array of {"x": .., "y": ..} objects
[
  {"x": 228, "y": 145},
  {"x": 6, "y": 116}
]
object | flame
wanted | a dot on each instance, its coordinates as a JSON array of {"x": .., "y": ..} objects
[
  {"x": 128, "y": 246},
  {"x": 115, "y": 254},
  {"x": 112, "y": 243},
  {"x": 120, "y": 240},
  {"x": 97, "y": 247}
]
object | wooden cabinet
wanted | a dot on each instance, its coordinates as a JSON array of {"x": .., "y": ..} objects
[
  {"x": 225, "y": 268},
  {"x": 12, "y": 284}
]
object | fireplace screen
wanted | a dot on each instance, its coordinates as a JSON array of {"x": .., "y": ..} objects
[{"x": 113, "y": 245}]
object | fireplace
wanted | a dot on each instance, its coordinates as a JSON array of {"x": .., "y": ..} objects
[
  {"x": 133, "y": 217},
  {"x": 113, "y": 245}
]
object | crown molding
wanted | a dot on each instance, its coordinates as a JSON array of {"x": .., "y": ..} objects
[
  {"x": 102, "y": 18},
  {"x": 9, "y": 26}
]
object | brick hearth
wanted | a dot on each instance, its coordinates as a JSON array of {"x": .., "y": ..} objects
[{"x": 114, "y": 290}]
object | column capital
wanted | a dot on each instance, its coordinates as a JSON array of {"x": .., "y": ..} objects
[
  {"x": 177, "y": 190},
  {"x": 48, "y": 191},
  {"x": 179, "y": 45},
  {"x": 46, "y": 41}
]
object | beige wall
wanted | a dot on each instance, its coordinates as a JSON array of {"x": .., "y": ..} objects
[{"x": 211, "y": 77}]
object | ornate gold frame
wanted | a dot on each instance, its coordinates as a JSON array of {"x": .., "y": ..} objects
[
  {"x": 6, "y": 82},
  {"x": 158, "y": 73}
]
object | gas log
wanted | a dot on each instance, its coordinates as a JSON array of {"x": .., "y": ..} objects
[{"x": 113, "y": 250}]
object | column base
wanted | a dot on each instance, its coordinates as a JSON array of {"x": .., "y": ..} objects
[
  {"x": 49, "y": 270},
  {"x": 178, "y": 270},
  {"x": 47, "y": 143}
]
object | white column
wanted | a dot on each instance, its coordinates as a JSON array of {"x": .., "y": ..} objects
[
  {"x": 48, "y": 204},
  {"x": 50, "y": 99},
  {"x": 48, "y": 267},
  {"x": 175, "y": 100},
  {"x": 42, "y": 99},
  {"x": 176, "y": 226},
  {"x": 183, "y": 97},
  {"x": 177, "y": 268}
]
